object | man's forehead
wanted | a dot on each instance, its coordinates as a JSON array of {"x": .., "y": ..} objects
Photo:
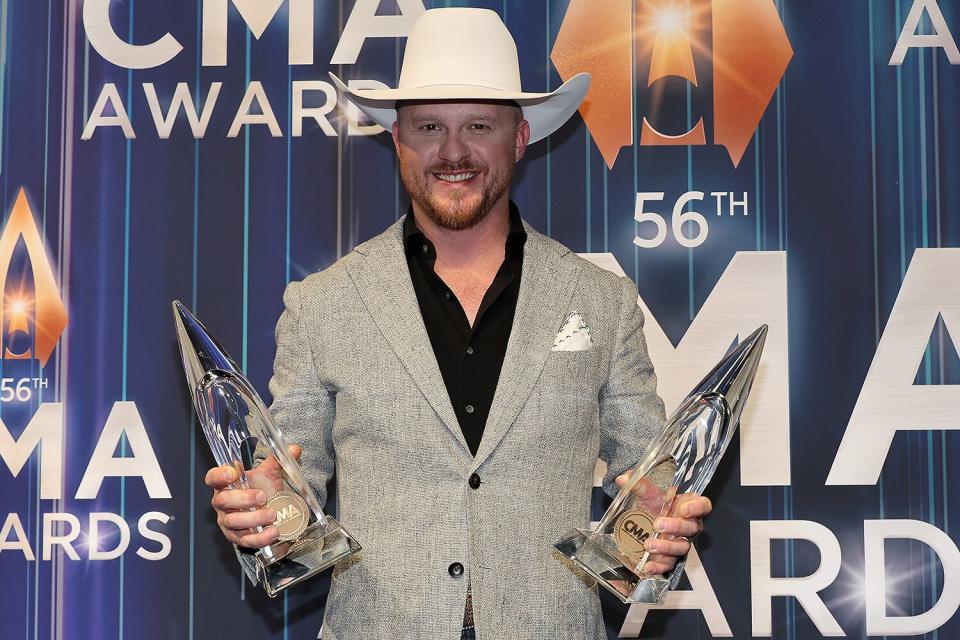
[{"x": 489, "y": 109}]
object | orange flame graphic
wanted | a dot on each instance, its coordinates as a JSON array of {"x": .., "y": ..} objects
[
  {"x": 51, "y": 315},
  {"x": 751, "y": 52},
  {"x": 596, "y": 37}
]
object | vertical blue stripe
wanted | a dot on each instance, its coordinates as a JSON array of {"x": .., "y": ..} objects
[
  {"x": 922, "y": 91},
  {"x": 935, "y": 74},
  {"x": 782, "y": 238},
  {"x": 46, "y": 119},
  {"x": 927, "y": 363},
  {"x": 588, "y": 190},
  {"x": 86, "y": 75},
  {"x": 246, "y": 247},
  {"x": 606, "y": 206},
  {"x": 900, "y": 170},
  {"x": 785, "y": 160},
  {"x": 46, "y": 163},
  {"x": 934, "y": 58},
  {"x": 3, "y": 79},
  {"x": 549, "y": 150},
  {"x": 193, "y": 305},
  {"x": 396, "y": 174},
  {"x": 286, "y": 239},
  {"x": 873, "y": 179},
  {"x": 633, "y": 129},
  {"x": 691, "y": 303},
  {"x": 246, "y": 217},
  {"x": 6, "y": 69},
  {"x": 286, "y": 262},
  {"x": 6, "y": 33},
  {"x": 758, "y": 212},
  {"x": 779, "y": 173},
  {"x": 126, "y": 306}
]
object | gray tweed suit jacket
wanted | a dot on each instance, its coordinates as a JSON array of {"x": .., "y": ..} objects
[{"x": 357, "y": 385}]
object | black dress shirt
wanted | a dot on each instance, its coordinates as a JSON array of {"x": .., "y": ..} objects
[{"x": 470, "y": 358}]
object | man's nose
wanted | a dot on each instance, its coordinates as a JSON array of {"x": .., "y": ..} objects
[{"x": 453, "y": 148}]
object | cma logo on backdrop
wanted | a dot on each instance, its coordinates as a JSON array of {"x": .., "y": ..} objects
[
  {"x": 750, "y": 52},
  {"x": 40, "y": 317},
  {"x": 34, "y": 318}
]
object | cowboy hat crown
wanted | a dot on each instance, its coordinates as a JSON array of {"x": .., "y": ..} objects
[{"x": 466, "y": 53}]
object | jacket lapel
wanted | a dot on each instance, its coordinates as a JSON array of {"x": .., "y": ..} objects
[
  {"x": 382, "y": 278},
  {"x": 546, "y": 286}
]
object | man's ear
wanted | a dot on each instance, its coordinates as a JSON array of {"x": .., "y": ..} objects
[
  {"x": 396, "y": 136},
  {"x": 523, "y": 137}
]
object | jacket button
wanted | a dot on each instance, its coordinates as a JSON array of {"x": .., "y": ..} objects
[
  {"x": 474, "y": 481},
  {"x": 455, "y": 570}
]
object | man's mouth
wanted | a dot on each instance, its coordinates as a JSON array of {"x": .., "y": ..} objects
[{"x": 457, "y": 176}]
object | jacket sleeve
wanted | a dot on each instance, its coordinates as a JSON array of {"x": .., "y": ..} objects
[
  {"x": 631, "y": 412},
  {"x": 303, "y": 406}
]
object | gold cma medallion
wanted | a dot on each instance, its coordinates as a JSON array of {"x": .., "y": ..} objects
[
  {"x": 632, "y": 529},
  {"x": 292, "y": 515}
]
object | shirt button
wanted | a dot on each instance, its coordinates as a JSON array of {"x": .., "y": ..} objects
[
  {"x": 469, "y": 408},
  {"x": 447, "y": 295},
  {"x": 455, "y": 570},
  {"x": 426, "y": 248},
  {"x": 469, "y": 351},
  {"x": 474, "y": 481}
]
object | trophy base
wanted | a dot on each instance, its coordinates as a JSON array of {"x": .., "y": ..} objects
[
  {"x": 319, "y": 547},
  {"x": 581, "y": 546}
]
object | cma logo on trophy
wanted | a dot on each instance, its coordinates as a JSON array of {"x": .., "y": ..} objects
[
  {"x": 34, "y": 318},
  {"x": 750, "y": 52}
]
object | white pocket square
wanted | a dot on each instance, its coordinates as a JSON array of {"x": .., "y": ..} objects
[{"x": 574, "y": 335}]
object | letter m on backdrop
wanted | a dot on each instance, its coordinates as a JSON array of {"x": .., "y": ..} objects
[{"x": 752, "y": 291}]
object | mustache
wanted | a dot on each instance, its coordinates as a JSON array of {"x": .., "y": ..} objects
[{"x": 448, "y": 167}]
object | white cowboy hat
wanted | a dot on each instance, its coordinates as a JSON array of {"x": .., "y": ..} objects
[{"x": 467, "y": 53}]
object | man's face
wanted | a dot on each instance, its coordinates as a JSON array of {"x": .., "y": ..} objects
[{"x": 457, "y": 158}]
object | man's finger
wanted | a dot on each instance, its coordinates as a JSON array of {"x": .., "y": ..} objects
[
  {"x": 678, "y": 526},
  {"x": 642, "y": 489},
  {"x": 232, "y": 499},
  {"x": 220, "y": 477},
  {"x": 295, "y": 450},
  {"x": 693, "y": 506},
  {"x": 241, "y": 520},
  {"x": 664, "y": 547},
  {"x": 255, "y": 540},
  {"x": 659, "y": 565}
]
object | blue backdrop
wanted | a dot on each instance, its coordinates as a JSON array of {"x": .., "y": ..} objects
[{"x": 851, "y": 170}]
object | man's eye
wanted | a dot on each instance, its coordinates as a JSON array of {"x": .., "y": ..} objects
[
  {"x": 477, "y": 126},
  {"x": 430, "y": 127}
]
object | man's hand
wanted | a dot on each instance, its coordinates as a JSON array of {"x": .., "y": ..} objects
[
  {"x": 241, "y": 511},
  {"x": 684, "y": 521}
]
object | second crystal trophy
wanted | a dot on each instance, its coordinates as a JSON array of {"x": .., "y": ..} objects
[
  {"x": 241, "y": 433},
  {"x": 680, "y": 460}
]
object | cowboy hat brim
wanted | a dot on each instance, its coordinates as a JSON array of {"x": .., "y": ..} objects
[{"x": 545, "y": 112}]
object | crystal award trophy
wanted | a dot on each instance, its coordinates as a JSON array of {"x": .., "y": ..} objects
[
  {"x": 680, "y": 460},
  {"x": 241, "y": 433}
]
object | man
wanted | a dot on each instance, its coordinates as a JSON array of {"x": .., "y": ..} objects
[{"x": 427, "y": 371}]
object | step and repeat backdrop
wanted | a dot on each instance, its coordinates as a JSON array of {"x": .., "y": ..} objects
[{"x": 789, "y": 162}]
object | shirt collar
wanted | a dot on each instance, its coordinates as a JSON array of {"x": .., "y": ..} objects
[{"x": 414, "y": 239}]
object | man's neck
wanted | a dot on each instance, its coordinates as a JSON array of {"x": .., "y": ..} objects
[{"x": 478, "y": 247}]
